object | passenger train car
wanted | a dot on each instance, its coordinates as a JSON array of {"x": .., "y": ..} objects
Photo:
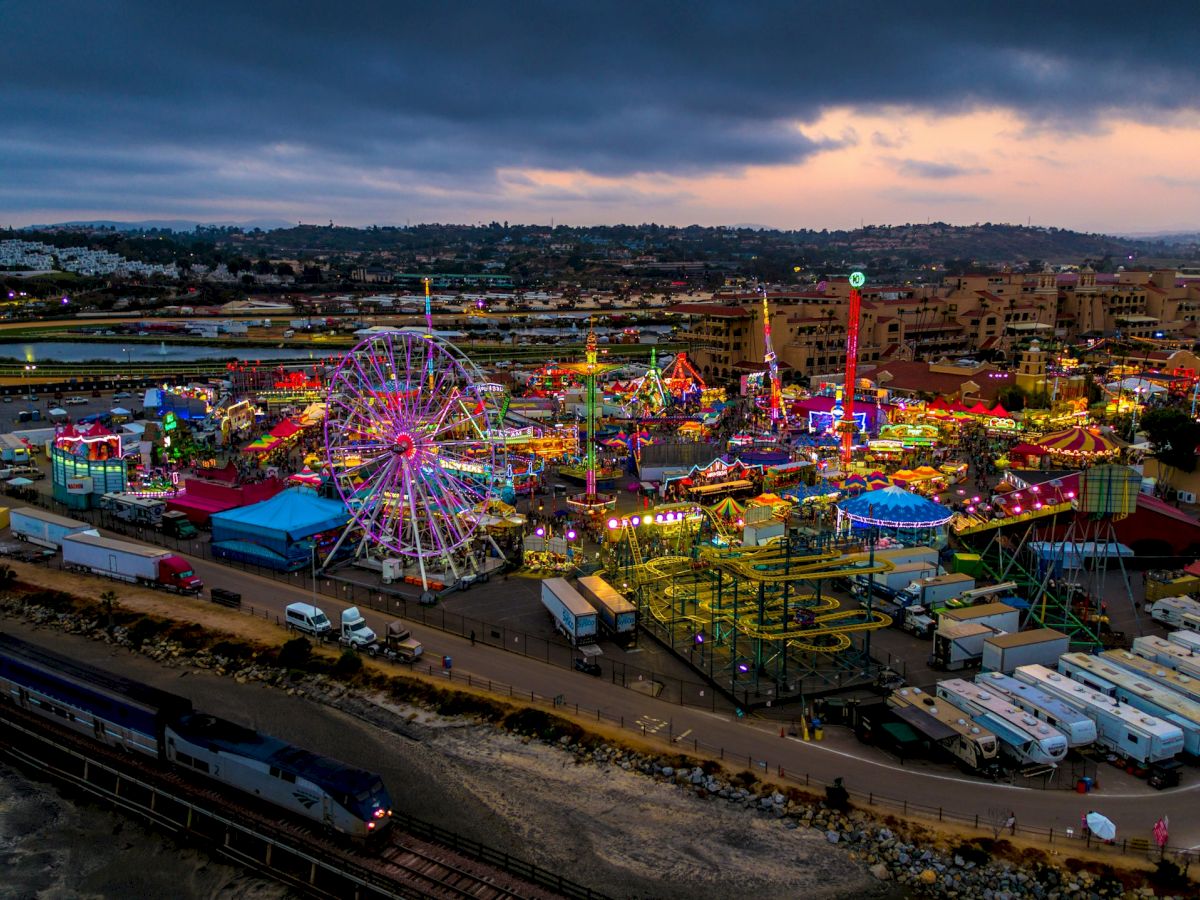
[
  {"x": 135, "y": 717},
  {"x": 1022, "y": 737},
  {"x": 1078, "y": 728}
]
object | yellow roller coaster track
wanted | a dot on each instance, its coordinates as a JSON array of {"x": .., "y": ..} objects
[{"x": 828, "y": 633}]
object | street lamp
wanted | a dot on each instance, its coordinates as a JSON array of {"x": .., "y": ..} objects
[{"x": 25, "y": 383}]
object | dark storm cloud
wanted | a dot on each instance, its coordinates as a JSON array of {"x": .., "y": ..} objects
[{"x": 295, "y": 99}]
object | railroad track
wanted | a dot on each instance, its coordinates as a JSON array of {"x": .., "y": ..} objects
[{"x": 398, "y": 865}]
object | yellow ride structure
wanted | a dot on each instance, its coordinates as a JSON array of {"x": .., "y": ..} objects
[{"x": 756, "y": 620}]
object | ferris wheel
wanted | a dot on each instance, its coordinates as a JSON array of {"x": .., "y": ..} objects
[{"x": 407, "y": 435}]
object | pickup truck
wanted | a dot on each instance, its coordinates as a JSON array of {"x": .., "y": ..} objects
[{"x": 76, "y": 401}]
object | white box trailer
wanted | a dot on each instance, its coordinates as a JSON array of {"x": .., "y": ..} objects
[
  {"x": 45, "y": 528},
  {"x": 573, "y": 616},
  {"x": 1043, "y": 646},
  {"x": 959, "y": 645},
  {"x": 617, "y": 614},
  {"x": 127, "y": 561},
  {"x": 996, "y": 616},
  {"x": 899, "y": 556}
]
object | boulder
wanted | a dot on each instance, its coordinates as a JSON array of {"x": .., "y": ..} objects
[
  {"x": 832, "y": 836},
  {"x": 928, "y": 876},
  {"x": 880, "y": 872}
]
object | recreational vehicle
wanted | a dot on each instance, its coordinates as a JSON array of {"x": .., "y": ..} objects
[
  {"x": 1110, "y": 677},
  {"x": 1130, "y": 733},
  {"x": 1022, "y": 737},
  {"x": 970, "y": 743},
  {"x": 1168, "y": 653},
  {"x": 1079, "y": 729}
]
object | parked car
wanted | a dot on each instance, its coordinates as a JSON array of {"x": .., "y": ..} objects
[
  {"x": 8, "y": 399},
  {"x": 588, "y": 667},
  {"x": 122, "y": 395},
  {"x": 76, "y": 401}
]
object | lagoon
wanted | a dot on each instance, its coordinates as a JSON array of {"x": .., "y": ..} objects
[{"x": 143, "y": 352}]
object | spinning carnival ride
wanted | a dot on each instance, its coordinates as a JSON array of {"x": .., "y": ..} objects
[{"x": 407, "y": 440}]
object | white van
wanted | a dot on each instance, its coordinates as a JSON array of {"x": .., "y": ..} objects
[{"x": 307, "y": 618}]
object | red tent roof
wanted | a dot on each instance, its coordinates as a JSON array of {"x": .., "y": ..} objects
[
  {"x": 938, "y": 403},
  {"x": 285, "y": 429},
  {"x": 999, "y": 410},
  {"x": 1027, "y": 450},
  {"x": 979, "y": 408}
]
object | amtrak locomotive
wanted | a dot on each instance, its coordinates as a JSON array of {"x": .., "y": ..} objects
[{"x": 143, "y": 720}]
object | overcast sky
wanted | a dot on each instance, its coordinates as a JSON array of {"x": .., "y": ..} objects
[{"x": 788, "y": 114}]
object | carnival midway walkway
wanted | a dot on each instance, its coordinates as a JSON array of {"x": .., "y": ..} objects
[{"x": 755, "y": 743}]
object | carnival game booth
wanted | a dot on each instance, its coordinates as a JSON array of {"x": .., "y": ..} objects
[
  {"x": 1026, "y": 456},
  {"x": 923, "y": 480},
  {"x": 896, "y": 513},
  {"x": 86, "y": 462},
  {"x": 278, "y": 533},
  {"x": 708, "y": 484},
  {"x": 996, "y": 419}
]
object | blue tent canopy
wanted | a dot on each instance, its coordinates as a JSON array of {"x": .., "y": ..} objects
[
  {"x": 894, "y": 507},
  {"x": 282, "y": 521}
]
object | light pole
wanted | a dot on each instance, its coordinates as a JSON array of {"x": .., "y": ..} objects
[{"x": 25, "y": 383}]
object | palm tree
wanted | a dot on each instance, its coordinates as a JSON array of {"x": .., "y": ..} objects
[{"x": 108, "y": 598}]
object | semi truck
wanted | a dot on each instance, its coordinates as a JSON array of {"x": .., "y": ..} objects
[
  {"x": 398, "y": 645},
  {"x": 573, "y": 616},
  {"x": 616, "y": 614},
  {"x": 935, "y": 591},
  {"x": 1039, "y": 646},
  {"x": 126, "y": 561},
  {"x": 176, "y": 524},
  {"x": 44, "y": 528},
  {"x": 913, "y": 619},
  {"x": 356, "y": 634}
]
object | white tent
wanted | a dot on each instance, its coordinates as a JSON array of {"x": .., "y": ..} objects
[{"x": 1142, "y": 386}]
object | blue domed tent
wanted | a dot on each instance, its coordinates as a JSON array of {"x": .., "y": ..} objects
[
  {"x": 274, "y": 533},
  {"x": 893, "y": 508}
]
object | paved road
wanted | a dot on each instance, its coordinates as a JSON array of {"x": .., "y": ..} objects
[{"x": 755, "y": 742}]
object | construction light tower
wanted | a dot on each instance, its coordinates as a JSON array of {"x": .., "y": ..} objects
[
  {"x": 778, "y": 415},
  {"x": 847, "y": 425}
]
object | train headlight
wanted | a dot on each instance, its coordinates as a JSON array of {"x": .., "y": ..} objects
[
  {"x": 370, "y": 826},
  {"x": 380, "y": 813}
]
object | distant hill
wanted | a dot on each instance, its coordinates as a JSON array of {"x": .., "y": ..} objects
[
  {"x": 1166, "y": 237},
  {"x": 163, "y": 225}
]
